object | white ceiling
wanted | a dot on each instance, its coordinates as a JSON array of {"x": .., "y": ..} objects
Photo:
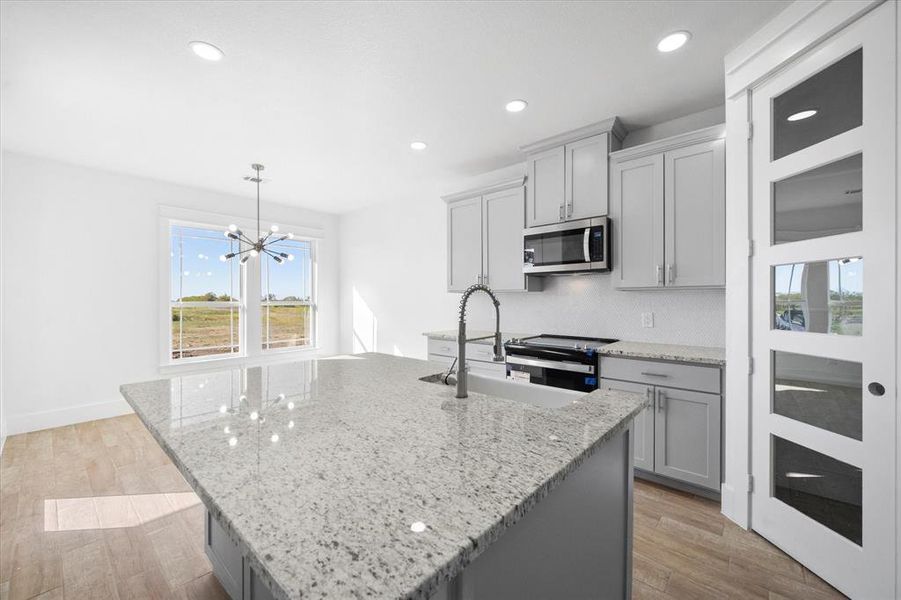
[{"x": 329, "y": 95}]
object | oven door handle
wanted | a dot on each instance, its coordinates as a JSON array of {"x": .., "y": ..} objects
[
  {"x": 585, "y": 247},
  {"x": 551, "y": 364}
]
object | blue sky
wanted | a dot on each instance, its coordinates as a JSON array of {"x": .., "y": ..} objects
[{"x": 195, "y": 267}]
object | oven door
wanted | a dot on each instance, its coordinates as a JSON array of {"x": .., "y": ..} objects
[
  {"x": 555, "y": 373},
  {"x": 574, "y": 246}
]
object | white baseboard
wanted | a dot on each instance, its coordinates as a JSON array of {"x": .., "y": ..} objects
[
  {"x": 65, "y": 416},
  {"x": 728, "y": 508}
]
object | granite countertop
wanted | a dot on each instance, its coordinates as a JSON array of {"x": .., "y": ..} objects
[
  {"x": 319, "y": 468},
  {"x": 476, "y": 336},
  {"x": 694, "y": 354}
]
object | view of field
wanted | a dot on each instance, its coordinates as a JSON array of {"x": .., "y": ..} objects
[{"x": 203, "y": 331}]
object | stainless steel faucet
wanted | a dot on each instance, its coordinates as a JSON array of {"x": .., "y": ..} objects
[{"x": 461, "y": 335}]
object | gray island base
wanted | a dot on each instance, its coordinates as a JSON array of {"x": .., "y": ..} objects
[{"x": 348, "y": 477}]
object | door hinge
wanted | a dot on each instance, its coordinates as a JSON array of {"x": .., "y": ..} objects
[
  {"x": 750, "y": 366},
  {"x": 750, "y": 248},
  {"x": 750, "y": 130},
  {"x": 750, "y": 483}
]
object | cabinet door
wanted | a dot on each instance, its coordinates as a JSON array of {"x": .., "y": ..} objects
[
  {"x": 637, "y": 210},
  {"x": 695, "y": 215},
  {"x": 687, "y": 436},
  {"x": 586, "y": 178},
  {"x": 464, "y": 244},
  {"x": 643, "y": 427},
  {"x": 503, "y": 218},
  {"x": 545, "y": 188}
]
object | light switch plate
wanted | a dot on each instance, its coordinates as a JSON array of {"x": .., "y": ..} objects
[{"x": 647, "y": 319}]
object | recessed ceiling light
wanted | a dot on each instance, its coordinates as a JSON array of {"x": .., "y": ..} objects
[
  {"x": 418, "y": 145},
  {"x": 673, "y": 41},
  {"x": 801, "y": 115},
  {"x": 516, "y": 105},
  {"x": 206, "y": 51}
]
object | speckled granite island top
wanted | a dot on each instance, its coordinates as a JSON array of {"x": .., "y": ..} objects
[
  {"x": 319, "y": 468},
  {"x": 693, "y": 354}
]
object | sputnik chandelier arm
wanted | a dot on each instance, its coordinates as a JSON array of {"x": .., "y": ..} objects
[{"x": 263, "y": 243}]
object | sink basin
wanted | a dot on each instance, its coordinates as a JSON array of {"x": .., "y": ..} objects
[{"x": 536, "y": 395}]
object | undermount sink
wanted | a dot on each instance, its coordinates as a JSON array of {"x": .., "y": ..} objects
[{"x": 537, "y": 395}]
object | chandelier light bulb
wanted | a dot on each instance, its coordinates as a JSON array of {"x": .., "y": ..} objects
[
  {"x": 254, "y": 252},
  {"x": 274, "y": 229},
  {"x": 233, "y": 228},
  {"x": 254, "y": 416},
  {"x": 222, "y": 258},
  {"x": 290, "y": 257},
  {"x": 290, "y": 236}
]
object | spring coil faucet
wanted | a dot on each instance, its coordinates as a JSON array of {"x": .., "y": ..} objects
[{"x": 461, "y": 335}]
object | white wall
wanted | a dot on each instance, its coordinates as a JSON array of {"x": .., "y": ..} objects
[{"x": 80, "y": 299}]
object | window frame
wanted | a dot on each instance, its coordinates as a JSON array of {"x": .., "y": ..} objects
[{"x": 250, "y": 339}]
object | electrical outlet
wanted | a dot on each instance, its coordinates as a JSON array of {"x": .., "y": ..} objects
[{"x": 647, "y": 319}]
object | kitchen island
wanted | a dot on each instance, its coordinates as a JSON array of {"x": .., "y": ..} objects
[{"x": 350, "y": 477}]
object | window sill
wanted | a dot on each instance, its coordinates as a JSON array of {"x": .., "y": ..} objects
[{"x": 237, "y": 361}]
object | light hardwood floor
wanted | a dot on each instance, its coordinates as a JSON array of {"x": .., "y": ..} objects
[{"x": 97, "y": 510}]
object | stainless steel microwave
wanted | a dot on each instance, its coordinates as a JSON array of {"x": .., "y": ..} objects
[{"x": 567, "y": 247}]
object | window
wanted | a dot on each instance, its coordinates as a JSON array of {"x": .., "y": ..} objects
[
  {"x": 205, "y": 303},
  {"x": 212, "y": 303},
  {"x": 287, "y": 301}
]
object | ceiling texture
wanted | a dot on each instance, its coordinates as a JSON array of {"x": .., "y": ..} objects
[{"x": 329, "y": 95}]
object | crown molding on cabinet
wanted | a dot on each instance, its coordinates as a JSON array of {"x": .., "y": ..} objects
[
  {"x": 707, "y": 134},
  {"x": 613, "y": 125},
  {"x": 487, "y": 189}
]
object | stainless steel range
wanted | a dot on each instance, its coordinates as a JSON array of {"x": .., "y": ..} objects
[{"x": 557, "y": 360}]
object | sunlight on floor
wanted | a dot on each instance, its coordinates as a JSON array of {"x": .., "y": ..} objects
[{"x": 112, "y": 512}]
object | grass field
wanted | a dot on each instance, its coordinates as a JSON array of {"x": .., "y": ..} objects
[{"x": 204, "y": 331}]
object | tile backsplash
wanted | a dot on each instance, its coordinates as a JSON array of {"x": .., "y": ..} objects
[{"x": 589, "y": 305}]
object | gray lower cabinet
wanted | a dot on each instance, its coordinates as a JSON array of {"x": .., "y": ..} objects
[
  {"x": 679, "y": 435},
  {"x": 642, "y": 427},
  {"x": 687, "y": 436},
  {"x": 229, "y": 565}
]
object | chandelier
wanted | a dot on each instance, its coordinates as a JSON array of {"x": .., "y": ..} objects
[{"x": 246, "y": 246}]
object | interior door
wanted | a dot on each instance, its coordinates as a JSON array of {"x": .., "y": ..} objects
[
  {"x": 824, "y": 295},
  {"x": 464, "y": 244},
  {"x": 695, "y": 215},
  {"x": 637, "y": 193},
  {"x": 545, "y": 188},
  {"x": 503, "y": 217}
]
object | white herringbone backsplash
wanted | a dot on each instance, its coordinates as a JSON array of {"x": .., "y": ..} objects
[{"x": 589, "y": 305}]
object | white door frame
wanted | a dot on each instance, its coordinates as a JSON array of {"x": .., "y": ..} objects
[{"x": 790, "y": 35}]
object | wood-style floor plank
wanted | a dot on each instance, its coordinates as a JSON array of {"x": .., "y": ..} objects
[{"x": 97, "y": 510}]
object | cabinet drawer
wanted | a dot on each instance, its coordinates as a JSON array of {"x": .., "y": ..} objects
[
  {"x": 496, "y": 370},
  {"x": 444, "y": 360},
  {"x": 483, "y": 352},
  {"x": 442, "y": 347},
  {"x": 676, "y": 375}
]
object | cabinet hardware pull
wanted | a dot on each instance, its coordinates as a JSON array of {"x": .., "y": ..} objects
[
  {"x": 661, "y": 400},
  {"x": 650, "y": 374},
  {"x": 569, "y": 210},
  {"x": 659, "y": 273},
  {"x": 669, "y": 273},
  {"x": 561, "y": 212}
]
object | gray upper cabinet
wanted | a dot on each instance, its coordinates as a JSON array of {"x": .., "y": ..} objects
[
  {"x": 464, "y": 244},
  {"x": 545, "y": 193},
  {"x": 586, "y": 177},
  {"x": 568, "y": 174},
  {"x": 687, "y": 436},
  {"x": 502, "y": 223},
  {"x": 668, "y": 203},
  {"x": 695, "y": 191},
  {"x": 637, "y": 191},
  {"x": 484, "y": 238}
]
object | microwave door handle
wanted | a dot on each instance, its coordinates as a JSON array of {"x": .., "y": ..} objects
[{"x": 585, "y": 246}]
